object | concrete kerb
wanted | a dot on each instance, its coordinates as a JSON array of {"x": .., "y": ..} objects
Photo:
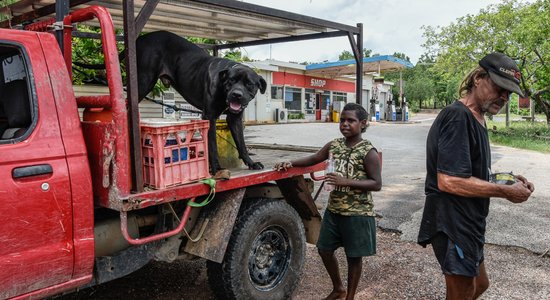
[{"x": 397, "y": 122}]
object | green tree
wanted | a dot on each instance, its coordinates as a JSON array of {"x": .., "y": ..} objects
[
  {"x": 5, "y": 3},
  {"x": 89, "y": 51},
  {"x": 401, "y": 56},
  {"x": 519, "y": 29},
  {"x": 420, "y": 88},
  {"x": 345, "y": 55},
  {"x": 236, "y": 55}
]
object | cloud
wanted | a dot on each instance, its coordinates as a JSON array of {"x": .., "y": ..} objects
[{"x": 388, "y": 26}]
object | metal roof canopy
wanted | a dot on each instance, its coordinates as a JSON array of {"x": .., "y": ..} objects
[
  {"x": 226, "y": 20},
  {"x": 374, "y": 64},
  {"x": 243, "y": 24},
  {"x": 237, "y": 23}
]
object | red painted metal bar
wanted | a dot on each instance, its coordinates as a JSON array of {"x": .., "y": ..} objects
[
  {"x": 120, "y": 186},
  {"x": 319, "y": 178},
  {"x": 155, "y": 237},
  {"x": 155, "y": 197},
  {"x": 68, "y": 42},
  {"x": 41, "y": 26},
  {"x": 94, "y": 101},
  {"x": 46, "y": 25},
  {"x": 323, "y": 177}
]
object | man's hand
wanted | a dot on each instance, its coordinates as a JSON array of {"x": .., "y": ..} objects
[
  {"x": 519, "y": 192},
  {"x": 526, "y": 183}
]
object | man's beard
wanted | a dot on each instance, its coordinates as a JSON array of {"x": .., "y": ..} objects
[{"x": 487, "y": 105}]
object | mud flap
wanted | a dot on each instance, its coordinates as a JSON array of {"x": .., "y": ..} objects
[
  {"x": 298, "y": 194},
  {"x": 220, "y": 215}
]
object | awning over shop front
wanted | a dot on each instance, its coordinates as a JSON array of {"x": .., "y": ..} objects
[{"x": 375, "y": 64}]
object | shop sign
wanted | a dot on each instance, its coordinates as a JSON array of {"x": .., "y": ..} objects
[{"x": 318, "y": 82}]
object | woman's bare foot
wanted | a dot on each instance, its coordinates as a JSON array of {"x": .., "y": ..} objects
[{"x": 336, "y": 294}]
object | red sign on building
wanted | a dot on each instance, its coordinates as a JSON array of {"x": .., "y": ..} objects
[
  {"x": 524, "y": 103},
  {"x": 308, "y": 82}
]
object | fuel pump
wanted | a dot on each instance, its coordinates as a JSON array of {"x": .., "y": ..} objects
[
  {"x": 374, "y": 113},
  {"x": 377, "y": 111},
  {"x": 390, "y": 109},
  {"x": 375, "y": 101},
  {"x": 405, "y": 110}
]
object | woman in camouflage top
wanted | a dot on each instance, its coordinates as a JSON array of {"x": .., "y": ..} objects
[{"x": 349, "y": 218}]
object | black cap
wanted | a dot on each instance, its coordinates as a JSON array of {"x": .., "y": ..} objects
[{"x": 503, "y": 71}]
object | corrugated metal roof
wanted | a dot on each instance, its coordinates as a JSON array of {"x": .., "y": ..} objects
[{"x": 226, "y": 20}]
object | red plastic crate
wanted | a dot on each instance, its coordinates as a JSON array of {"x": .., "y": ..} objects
[{"x": 174, "y": 153}]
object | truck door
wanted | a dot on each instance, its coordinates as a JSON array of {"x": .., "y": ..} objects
[{"x": 36, "y": 229}]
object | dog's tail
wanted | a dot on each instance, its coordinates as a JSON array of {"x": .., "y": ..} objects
[{"x": 121, "y": 57}]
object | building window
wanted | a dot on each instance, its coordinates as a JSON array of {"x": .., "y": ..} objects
[
  {"x": 310, "y": 101},
  {"x": 339, "y": 96},
  {"x": 293, "y": 99},
  {"x": 339, "y": 99},
  {"x": 277, "y": 92}
]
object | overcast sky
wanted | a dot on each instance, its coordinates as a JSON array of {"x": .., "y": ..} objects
[{"x": 388, "y": 25}]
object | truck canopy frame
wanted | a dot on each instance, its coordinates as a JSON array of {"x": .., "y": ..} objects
[{"x": 238, "y": 24}]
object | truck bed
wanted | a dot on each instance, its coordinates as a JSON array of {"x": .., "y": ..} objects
[{"x": 241, "y": 177}]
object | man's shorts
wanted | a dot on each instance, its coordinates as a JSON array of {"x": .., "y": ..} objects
[
  {"x": 357, "y": 234},
  {"x": 452, "y": 259}
]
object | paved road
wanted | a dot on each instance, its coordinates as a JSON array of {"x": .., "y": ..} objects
[{"x": 401, "y": 200}]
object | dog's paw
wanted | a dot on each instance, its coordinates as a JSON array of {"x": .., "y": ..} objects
[
  {"x": 256, "y": 166},
  {"x": 222, "y": 174}
]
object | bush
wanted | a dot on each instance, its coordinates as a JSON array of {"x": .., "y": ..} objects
[
  {"x": 514, "y": 108},
  {"x": 525, "y": 135},
  {"x": 296, "y": 116}
]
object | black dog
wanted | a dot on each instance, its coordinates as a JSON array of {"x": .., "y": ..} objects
[{"x": 212, "y": 84}]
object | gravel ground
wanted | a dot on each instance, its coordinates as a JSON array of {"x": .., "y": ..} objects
[{"x": 400, "y": 270}]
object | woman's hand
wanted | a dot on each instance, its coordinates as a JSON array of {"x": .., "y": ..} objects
[{"x": 282, "y": 166}]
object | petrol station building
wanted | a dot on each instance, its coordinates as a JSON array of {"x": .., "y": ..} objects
[{"x": 318, "y": 92}]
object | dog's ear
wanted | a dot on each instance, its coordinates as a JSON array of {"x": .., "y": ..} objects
[{"x": 263, "y": 85}]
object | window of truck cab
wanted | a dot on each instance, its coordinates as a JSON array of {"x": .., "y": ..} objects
[{"x": 17, "y": 101}]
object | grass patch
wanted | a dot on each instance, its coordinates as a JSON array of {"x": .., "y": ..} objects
[
  {"x": 523, "y": 135},
  {"x": 539, "y": 117}
]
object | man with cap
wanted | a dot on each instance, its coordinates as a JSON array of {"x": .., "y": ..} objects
[{"x": 458, "y": 162}]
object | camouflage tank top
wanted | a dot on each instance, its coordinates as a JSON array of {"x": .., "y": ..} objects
[{"x": 348, "y": 162}]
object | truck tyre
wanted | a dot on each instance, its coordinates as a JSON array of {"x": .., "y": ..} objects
[{"x": 265, "y": 255}]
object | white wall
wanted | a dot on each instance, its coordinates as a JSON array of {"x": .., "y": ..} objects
[{"x": 147, "y": 109}]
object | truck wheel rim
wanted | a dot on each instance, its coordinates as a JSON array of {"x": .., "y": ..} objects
[{"x": 269, "y": 258}]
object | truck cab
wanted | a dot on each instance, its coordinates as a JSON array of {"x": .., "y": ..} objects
[{"x": 46, "y": 203}]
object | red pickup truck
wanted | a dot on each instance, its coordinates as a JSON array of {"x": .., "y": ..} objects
[{"x": 71, "y": 217}]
